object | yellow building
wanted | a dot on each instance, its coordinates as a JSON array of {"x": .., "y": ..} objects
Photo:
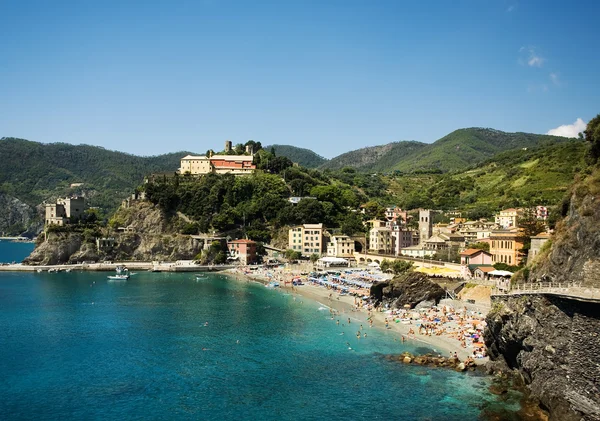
[
  {"x": 218, "y": 164},
  {"x": 340, "y": 246},
  {"x": 505, "y": 247},
  {"x": 307, "y": 239}
]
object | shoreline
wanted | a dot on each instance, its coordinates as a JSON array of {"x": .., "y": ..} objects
[
  {"x": 112, "y": 266},
  {"x": 345, "y": 305}
]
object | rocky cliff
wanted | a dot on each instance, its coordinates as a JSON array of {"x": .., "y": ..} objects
[
  {"x": 141, "y": 232},
  {"x": 15, "y": 216},
  {"x": 409, "y": 289},
  {"x": 575, "y": 251},
  {"x": 552, "y": 343}
]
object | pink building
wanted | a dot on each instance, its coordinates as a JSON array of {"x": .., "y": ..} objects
[{"x": 475, "y": 257}]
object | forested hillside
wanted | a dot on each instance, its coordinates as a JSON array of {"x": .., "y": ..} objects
[
  {"x": 302, "y": 156},
  {"x": 33, "y": 172}
]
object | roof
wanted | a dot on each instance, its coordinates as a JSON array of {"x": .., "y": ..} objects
[
  {"x": 242, "y": 241},
  {"x": 313, "y": 226},
  {"x": 333, "y": 260},
  {"x": 232, "y": 157},
  {"x": 471, "y": 252},
  {"x": 483, "y": 268}
]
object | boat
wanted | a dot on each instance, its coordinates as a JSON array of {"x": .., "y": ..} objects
[
  {"x": 121, "y": 275},
  {"x": 272, "y": 285}
]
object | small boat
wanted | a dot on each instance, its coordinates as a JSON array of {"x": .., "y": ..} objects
[
  {"x": 121, "y": 275},
  {"x": 200, "y": 277},
  {"x": 272, "y": 285}
]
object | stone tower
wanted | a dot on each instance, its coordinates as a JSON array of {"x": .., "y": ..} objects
[
  {"x": 425, "y": 225},
  {"x": 227, "y": 145}
]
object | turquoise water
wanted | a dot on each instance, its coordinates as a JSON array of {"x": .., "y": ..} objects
[
  {"x": 14, "y": 251},
  {"x": 76, "y": 346}
]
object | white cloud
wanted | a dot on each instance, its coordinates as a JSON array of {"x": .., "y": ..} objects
[
  {"x": 569, "y": 130},
  {"x": 530, "y": 56},
  {"x": 555, "y": 79}
]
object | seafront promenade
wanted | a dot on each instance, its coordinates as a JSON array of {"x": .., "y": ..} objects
[{"x": 111, "y": 267}]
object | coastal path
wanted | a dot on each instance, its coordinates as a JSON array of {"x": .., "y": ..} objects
[{"x": 571, "y": 290}]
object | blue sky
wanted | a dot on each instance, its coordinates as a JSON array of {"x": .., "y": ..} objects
[{"x": 151, "y": 77}]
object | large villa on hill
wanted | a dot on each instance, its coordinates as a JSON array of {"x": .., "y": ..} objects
[{"x": 218, "y": 164}]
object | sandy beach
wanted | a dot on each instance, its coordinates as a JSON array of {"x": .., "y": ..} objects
[{"x": 348, "y": 306}]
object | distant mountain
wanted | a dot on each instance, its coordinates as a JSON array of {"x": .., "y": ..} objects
[
  {"x": 302, "y": 156},
  {"x": 455, "y": 151},
  {"x": 375, "y": 158},
  {"x": 33, "y": 172}
]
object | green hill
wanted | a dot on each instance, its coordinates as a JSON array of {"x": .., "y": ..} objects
[
  {"x": 519, "y": 177},
  {"x": 302, "y": 156},
  {"x": 454, "y": 152},
  {"x": 375, "y": 158},
  {"x": 33, "y": 172}
]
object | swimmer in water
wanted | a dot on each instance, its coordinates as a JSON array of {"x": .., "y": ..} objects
[{"x": 337, "y": 323}]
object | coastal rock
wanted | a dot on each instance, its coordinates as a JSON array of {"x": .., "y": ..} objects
[
  {"x": 551, "y": 343},
  {"x": 408, "y": 289},
  {"x": 141, "y": 232}
]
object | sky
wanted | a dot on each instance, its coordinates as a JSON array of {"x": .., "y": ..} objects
[{"x": 151, "y": 77}]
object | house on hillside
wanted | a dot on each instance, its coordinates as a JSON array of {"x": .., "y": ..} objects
[
  {"x": 218, "y": 164},
  {"x": 508, "y": 218},
  {"x": 380, "y": 240}
]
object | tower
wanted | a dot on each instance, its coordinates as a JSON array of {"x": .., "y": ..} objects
[
  {"x": 227, "y": 145},
  {"x": 425, "y": 225}
]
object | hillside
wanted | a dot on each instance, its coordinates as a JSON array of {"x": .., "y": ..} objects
[
  {"x": 302, "y": 156},
  {"x": 33, "y": 172},
  {"x": 375, "y": 158},
  {"x": 454, "y": 152},
  {"x": 513, "y": 178}
]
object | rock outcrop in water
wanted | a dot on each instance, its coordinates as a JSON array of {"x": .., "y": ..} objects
[
  {"x": 408, "y": 289},
  {"x": 149, "y": 236}
]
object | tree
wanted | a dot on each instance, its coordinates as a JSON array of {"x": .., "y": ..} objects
[
  {"x": 480, "y": 246},
  {"x": 592, "y": 135},
  {"x": 385, "y": 265},
  {"x": 401, "y": 266},
  {"x": 313, "y": 258},
  {"x": 352, "y": 224}
]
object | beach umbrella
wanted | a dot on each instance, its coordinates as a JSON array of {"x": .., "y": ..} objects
[{"x": 406, "y": 305}]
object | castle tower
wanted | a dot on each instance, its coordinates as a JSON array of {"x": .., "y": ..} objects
[
  {"x": 227, "y": 145},
  {"x": 425, "y": 225}
]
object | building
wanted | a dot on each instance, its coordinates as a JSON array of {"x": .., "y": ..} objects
[
  {"x": 381, "y": 240},
  {"x": 64, "y": 211},
  {"x": 218, "y": 164},
  {"x": 506, "y": 247},
  {"x": 307, "y": 239},
  {"x": 537, "y": 242},
  {"x": 294, "y": 200},
  {"x": 340, "y": 246},
  {"x": 244, "y": 250},
  {"x": 425, "y": 225},
  {"x": 475, "y": 257},
  {"x": 402, "y": 238},
  {"x": 417, "y": 252},
  {"x": 508, "y": 218},
  {"x": 395, "y": 217}
]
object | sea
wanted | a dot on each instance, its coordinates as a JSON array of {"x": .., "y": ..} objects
[{"x": 168, "y": 346}]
